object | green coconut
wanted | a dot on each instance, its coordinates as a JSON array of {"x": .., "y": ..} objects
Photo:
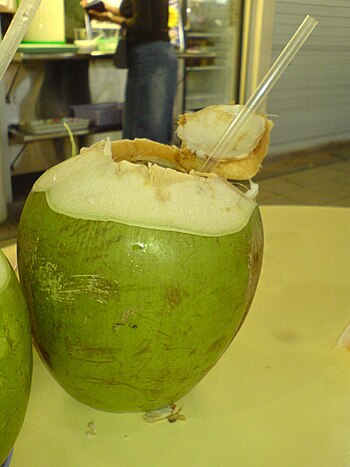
[
  {"x": 15, "y": 358},
  {"x": 137, "y": 276}
]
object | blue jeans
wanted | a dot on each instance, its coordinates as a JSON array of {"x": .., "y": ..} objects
[{"x": 150, "y": 92}]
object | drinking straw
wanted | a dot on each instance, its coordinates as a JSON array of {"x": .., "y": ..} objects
[
  {"x": 16, "y": 31},
  {"x": 283, "y": 60}
]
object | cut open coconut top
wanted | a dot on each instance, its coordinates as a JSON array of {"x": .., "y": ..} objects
[
  {"x": 158, "y": 186},
  {"x": 96, "y": 186},
  {"x": 199, "y": 132}
]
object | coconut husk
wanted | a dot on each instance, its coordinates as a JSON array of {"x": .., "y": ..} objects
[{"x": 184, "y": 160}]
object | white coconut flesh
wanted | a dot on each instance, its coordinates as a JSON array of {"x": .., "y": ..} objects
[
  {"x": 4, "y": 273},
  {"x": 94, "y": 186},
  {"x": 200, "y": 131}
]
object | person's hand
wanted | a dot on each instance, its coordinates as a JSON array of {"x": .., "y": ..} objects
[
  {"x": 112, "y": 9},
  {"x": 111, "y": 14},
  {"x": 100, "y": 15}
]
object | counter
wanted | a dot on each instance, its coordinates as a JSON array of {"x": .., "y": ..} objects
[
  {"x": 280, "y": 395},
  {"x": 20, "y": 57}
]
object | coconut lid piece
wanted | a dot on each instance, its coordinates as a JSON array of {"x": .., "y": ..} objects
[
  {"x": 200, "y": 132},
  {"x": 94, "y": 186},
  {"x": 4, "y": 272}
]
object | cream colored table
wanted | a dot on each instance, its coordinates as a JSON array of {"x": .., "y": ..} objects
[{"x": 280, "y": 396}]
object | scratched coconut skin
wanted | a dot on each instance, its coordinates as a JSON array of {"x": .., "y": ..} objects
[
  {"x": 15, "y": 358},
  {"x": 135, "y": 291}
]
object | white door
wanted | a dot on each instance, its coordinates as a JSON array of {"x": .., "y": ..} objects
[
  {"x": 310, "y": 102},
  {"x": 312, "y": 98}
]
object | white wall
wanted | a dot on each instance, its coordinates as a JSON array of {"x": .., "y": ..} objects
[{"x": 311, "y": 101}]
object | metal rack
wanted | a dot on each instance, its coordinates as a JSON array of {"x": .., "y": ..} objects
[{"x": 15, "y": 135}]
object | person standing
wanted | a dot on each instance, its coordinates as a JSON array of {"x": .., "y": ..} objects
[{"x": 152, "y": 68}]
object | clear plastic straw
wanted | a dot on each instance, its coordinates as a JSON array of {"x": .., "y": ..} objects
[
  {"x": 285, "y": 57},
  {"x": 16, "y": 32}
]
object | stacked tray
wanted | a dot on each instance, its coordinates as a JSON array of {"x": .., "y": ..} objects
[
  {"x": 46, "y": 48},
  {"x": 54, "y": 125}
]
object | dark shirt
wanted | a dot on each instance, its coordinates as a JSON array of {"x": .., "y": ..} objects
[{"x": 147, "y": 20}]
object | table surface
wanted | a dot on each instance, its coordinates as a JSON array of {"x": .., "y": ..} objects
[{"x": 280, "y": 395}]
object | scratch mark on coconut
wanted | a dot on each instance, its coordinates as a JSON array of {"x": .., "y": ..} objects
[
  {"x": 95, "y": 286},
  {"x": 111, "y": 269},
  {"x": 7, "y": 334},
  {"x": 125, "y": 320},
  {"x": 173, "y": 295},
  {"x": 152, "y": 320},
  {"x": 217, "y": 344},
  {"x": 116, "y": 326},
  {"x": 62, "y": 288},
  {"x": 96, "y": 362},
  {"x": 194, "y": 251},
  {"x": 113, "y": 382},
  {"x": 167, "y": 347},
  {"x": 144, "y": 349},
  {"x": 254, "y": 265},
  {"x": 97, "y": 355},
  {"x": 162, "y": 333},
  {"x": 139, "y": 246}
]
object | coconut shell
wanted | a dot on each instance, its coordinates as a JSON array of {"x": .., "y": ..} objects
[
  {"x": 145, "y": 150},
  {"x": 184, "y": 160}
]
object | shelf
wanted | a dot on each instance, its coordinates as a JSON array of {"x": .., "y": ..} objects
[
  {"x": 200, "y": 100},
  {"x": 196, "y": 54},
  {"x": 20, "y": 57},
  {"x": 204, "y": 95},
  {"x": 206, "y": 68},
  {"x": 23, "y": 137},
  {"x": 200, "y": 35}
]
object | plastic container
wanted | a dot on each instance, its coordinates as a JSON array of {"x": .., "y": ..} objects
[
  {"x": 108, "y": 40},
  {"x": 106, "y": 114},
  {"x": 83, "y": 42}
]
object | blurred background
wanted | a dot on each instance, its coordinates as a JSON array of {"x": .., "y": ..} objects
[{"x": 224, "y": 48}]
